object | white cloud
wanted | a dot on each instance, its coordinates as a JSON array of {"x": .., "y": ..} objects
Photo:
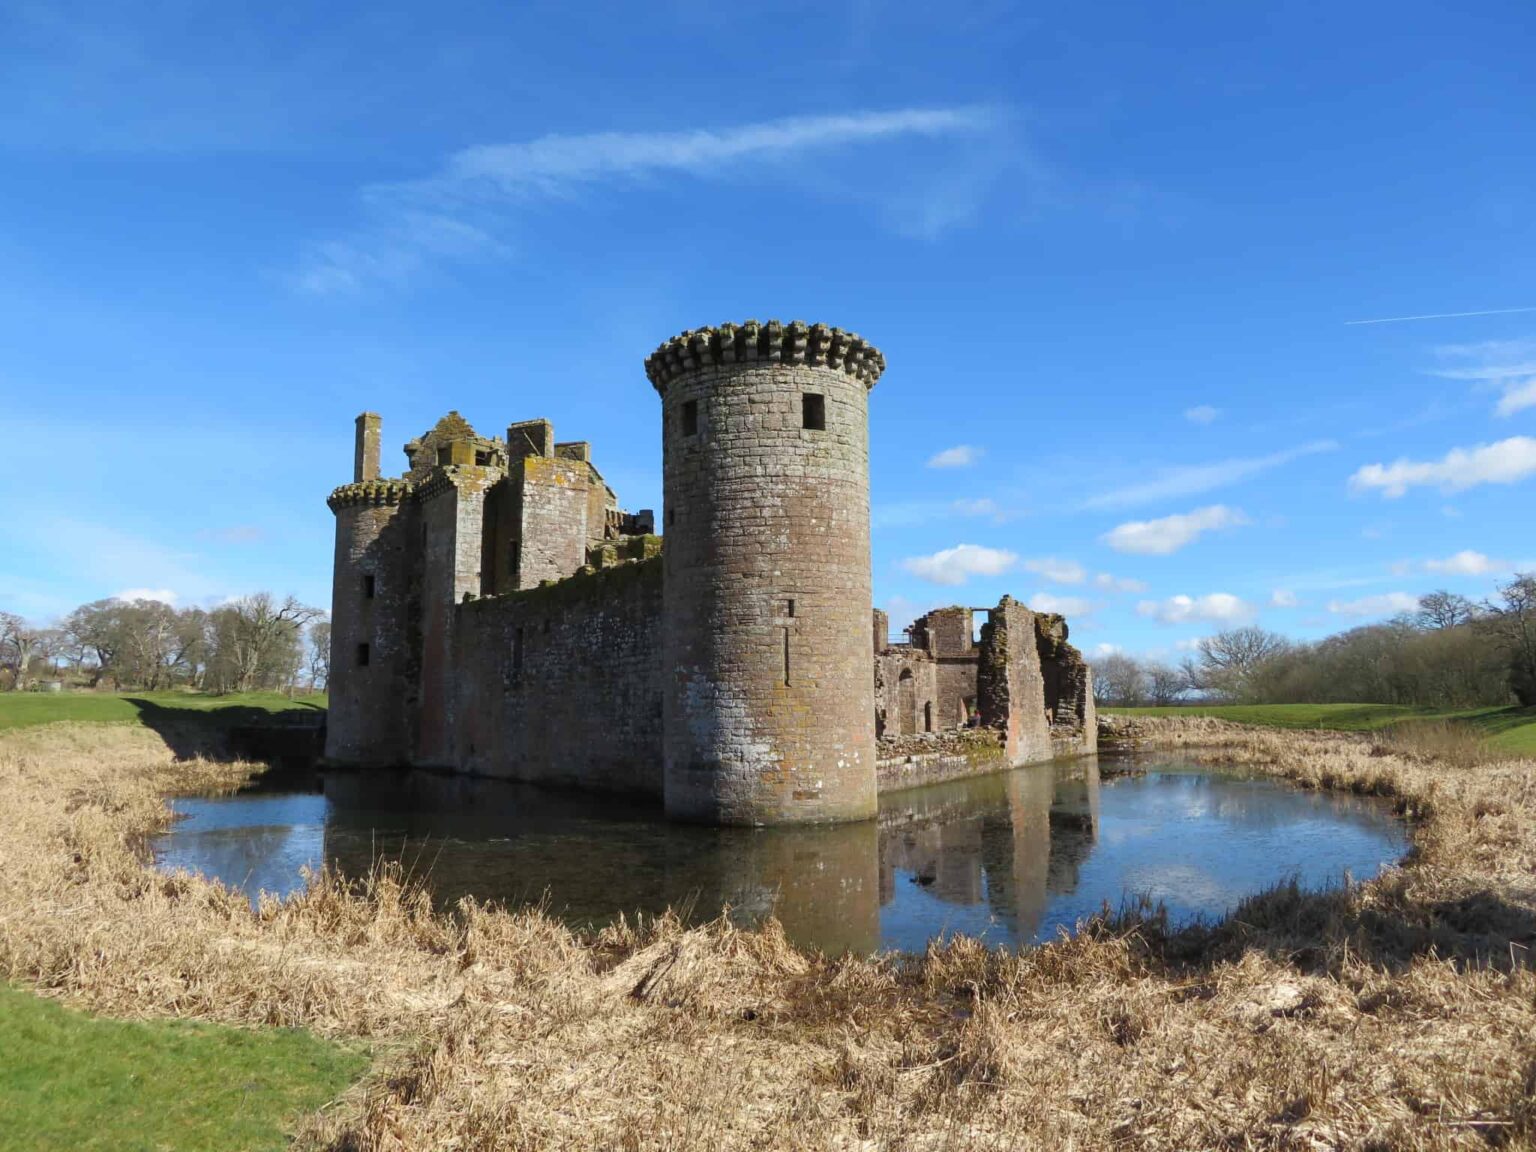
[
  {"x": 954, "y": 566},
  {"x": 1061, "y": 605},
  {"x": 164, "y": 595},
  {"x": 1105, "y": 649},
  {"x": 1518, "y": 397},
  {"x": 1202, "y": 414},
  {"x": 1057, "y": 571},
  {"x": 1386, "y": 604},
  {"x": 1217, "y": 608},
  {"x": 1465, "y": 563},
  {"x": 1505, "y": 462},
  {"x": 459, "y": 210},
  {"x": 1283, "y": 598},
  {"x": 1166, "y": 536},
  {"x": 960, "y": 456},
  {"x": 1111, "y": 583},
  {"x": 1173, "y": 483}
]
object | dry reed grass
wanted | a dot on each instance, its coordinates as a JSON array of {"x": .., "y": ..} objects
[{"x": 1396, "y": 1015}]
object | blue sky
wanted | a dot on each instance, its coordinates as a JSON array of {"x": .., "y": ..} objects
[{"x": 1116, "y": 258}]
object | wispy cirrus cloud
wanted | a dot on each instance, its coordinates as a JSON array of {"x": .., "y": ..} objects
[
  {"x": 1194, "y": 479},
  {"x": 463, "y": 209},
  {"x": 1506, "y": 365}
]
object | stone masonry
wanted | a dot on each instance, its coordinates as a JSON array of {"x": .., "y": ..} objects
[{"x": 496, "y": 612}]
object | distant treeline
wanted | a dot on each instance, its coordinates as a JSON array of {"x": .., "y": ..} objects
[
  {"x": 1452, "y": 652},
  {"x": 253, "y": 643}
]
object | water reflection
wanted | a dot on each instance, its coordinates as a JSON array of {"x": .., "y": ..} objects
[{"x": 1012, "y": 857}]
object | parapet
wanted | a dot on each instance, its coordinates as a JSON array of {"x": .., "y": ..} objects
[
  {"x": 370, "y": 492},
  {"x": 771, "y": 342}
]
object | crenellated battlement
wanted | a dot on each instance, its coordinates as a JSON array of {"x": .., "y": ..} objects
[
  {"x": 816, "y": 345},
  {"x": 373, "y": 493}
]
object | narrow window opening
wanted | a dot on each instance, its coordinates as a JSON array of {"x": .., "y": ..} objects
[
  {"x": 368, "y": 586},
  {"x": 789, "y": 609},
  {"x": 514, "y": 559},
  {"x": 690, "y": 417},
  {"x": 786, "y": 657},
  {"x": 813, "y": 411},
  {"x": 671, "y": 517},
  {"x": 928, "y": 716},
  {"x": 362, "y": 655}
]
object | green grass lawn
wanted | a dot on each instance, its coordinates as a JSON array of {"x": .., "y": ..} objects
[
  {"x": 22, "y": 709},
  {"x": 1512, "y": 729},
  {"x": 71, "y": 1081}
]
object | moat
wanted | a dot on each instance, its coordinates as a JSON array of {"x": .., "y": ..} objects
[{"x": 1012, "y": 858}]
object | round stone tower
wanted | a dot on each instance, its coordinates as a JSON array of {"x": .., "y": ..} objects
[{"x": 769, "y": 695}]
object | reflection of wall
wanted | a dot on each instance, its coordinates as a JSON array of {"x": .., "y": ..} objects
[{"x": 992, "y": 839}]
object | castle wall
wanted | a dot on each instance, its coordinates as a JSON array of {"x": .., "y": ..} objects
[
  {"x": 365, "y": 723},
  {"x": 452, "y": 512},
  {"x": 562, "y": 685},
  {"x": 769, "y": 705}
]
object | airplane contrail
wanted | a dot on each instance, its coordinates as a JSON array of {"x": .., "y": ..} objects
[{"x": 1442, "y": 316}]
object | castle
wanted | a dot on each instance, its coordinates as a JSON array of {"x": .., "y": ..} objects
[{"x": 494, "y": 611}]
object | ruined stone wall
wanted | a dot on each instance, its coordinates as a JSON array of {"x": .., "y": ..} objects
[
  {"x": 905, "y": 681},
  {"x": 1068, "y": 688},
  {"x": 955, "y": 683},
  {"x": 770, "y": 700},
  {"x": 563, "y": 684},
  {"x": 552, "y": 517},
  {"x": 1010, "y": 689}
]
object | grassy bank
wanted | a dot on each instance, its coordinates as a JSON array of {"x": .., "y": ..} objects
[
  {"x": 26, "y": 709},
  {"x": 1510, "y": 729},
  {"x": 70, "y": 1081},
  {"x": 1401, "y": 1014}
]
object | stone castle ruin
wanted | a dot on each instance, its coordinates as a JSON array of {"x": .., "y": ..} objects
[{"x": 495, "y": 611}]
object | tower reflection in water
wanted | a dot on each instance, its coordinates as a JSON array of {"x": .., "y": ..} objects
[{"x": 982, "y": 856}]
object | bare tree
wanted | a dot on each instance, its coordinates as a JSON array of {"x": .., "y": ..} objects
[
  {"x": 1513, "y": 621},
  {"x": 1119, "y": 680},
  {"x": 19, "y": 643},
  {"x": 1441, "y": 609},
  {"x": 319, "y": 657},
  {"x": 1229, "y": 661},
  {"x": 262, "y": 637},
  {"x": 1165, "y": 683}
]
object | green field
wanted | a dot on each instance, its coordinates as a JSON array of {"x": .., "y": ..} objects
[
  {"x": 71, "y": 1081},
  {"x": 23, "y": 709},
  {"x": 1511, "y": 729}
]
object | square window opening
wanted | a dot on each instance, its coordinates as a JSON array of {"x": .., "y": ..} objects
[
  {"x": 445, "y": 455},
  {"x": 690, "y": 417},
  {"x": 363, "y": 655},
  {"x": 813, "y": 411},
  {"x": 368, "y": 586}
]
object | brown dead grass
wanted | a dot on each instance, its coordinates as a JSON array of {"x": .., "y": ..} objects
[{"x": 1401, "y": 1014}]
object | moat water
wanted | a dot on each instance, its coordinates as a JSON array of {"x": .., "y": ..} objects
[{"x": 1013, "y": 858}]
